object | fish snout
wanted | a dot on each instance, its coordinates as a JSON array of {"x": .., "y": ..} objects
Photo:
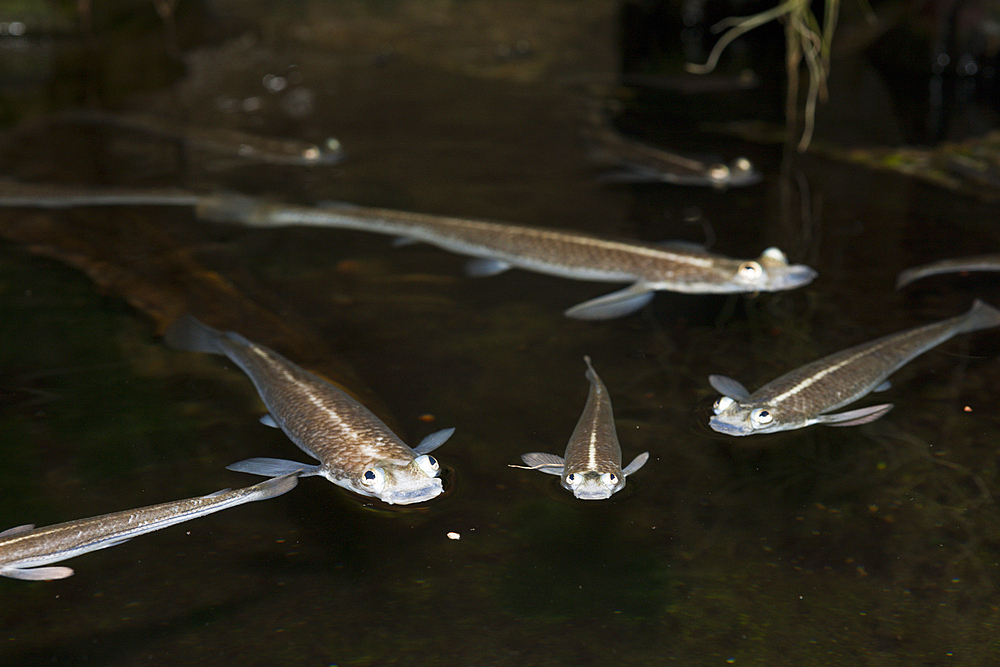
[
  {"x": 728, "y": 427},
  {"x": 430, "y": 489}
]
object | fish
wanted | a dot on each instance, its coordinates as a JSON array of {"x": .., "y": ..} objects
[
  {"x": 356, "y": 450},
  {"x": 642, "y": 163},
  {"x": 14, "y": 194},
  {"x": 497, "y": 247},
  {"x": 223, "y": 141},
  {"x": 24, "y": 550},
  {"x": 806, "y": 395},
  {"x": 976, "y": 263},
  {"x": 592, "y": 465}
]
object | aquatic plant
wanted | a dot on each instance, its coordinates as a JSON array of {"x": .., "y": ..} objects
[{"x": 805, "y": 39}]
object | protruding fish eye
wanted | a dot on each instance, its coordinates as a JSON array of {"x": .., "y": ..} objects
[
  {"x": 428, "y": 464},
  {"x": 719, "y": 174},
  {"x": 333, "y": 144},
  {"x": 572, "y": 479},
  {"x": 742, "y": 165},
  {"x": 609, "y": 479},
  {"x": 750, "y": 271},
  {"x": 761, "y": 417},
  {"x": 311, "y": 153},
  {"x": 373, "y": 478},
  {"x": 722, "y": 404}
]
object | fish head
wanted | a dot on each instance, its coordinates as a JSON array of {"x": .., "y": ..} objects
[
  {"x": 592, "y": 484},
  {"x": 735, "y": 418},
  {"x": 401, "y": 482},
  {"x": 771, "y": 272}
]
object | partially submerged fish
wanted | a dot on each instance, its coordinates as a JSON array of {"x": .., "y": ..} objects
[
  {"x": 675, "y": 267},
  {"x": 977, "y": 263},
  {"x": 24, "y": 549},
  {"x": 806, "y": 395},
  {"x": 642, "y": 163},
  {"x": 356, "y": 450},
  {"x": 223, "y": 141},
  {"x": 592, "y": 467}
]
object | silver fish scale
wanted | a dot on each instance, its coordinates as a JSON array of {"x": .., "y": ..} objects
[
  {"x": 842, "y": 377},
  {"x": 351, "y": 438},
  {"x": 594, "y": 443}
]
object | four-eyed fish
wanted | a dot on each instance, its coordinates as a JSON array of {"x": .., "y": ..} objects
[
  {"x": 806, "y": 395},
  {"x": 592, "y": 468},
  {"x": 963, "y": 265},
  {"x": 24, "y": 549},
  {"x": 676, "y": 267},
  {"x": 356, "y": 450}
]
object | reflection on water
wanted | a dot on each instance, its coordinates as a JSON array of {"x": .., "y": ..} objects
[{"x": 871, "y": 545}]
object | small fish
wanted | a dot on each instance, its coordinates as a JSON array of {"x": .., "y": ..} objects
[
  {"x": 25, "y": 548},
  {"x": 357, "y": 451},
  {"x": 805, "y": 396},
  {"x": 592, "y": 467},
  {"x": 642, "y": 163},
  {"x": 977, "y": 263},
  {"x": 675, "y": 267},
  {"x": 219, "y": 140}
]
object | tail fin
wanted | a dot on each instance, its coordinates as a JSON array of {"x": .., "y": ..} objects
[
  {"x": 188, "y": 333},
  {"x": 981, "y": 316}
]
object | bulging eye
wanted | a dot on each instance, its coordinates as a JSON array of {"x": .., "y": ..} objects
[
  {"x": 750, "y": 271},
  {"x": 428, "y": 464},
  {"x": 721, "y": 404},
  {"x": 572, "y": 479},
  {"x": 609, "y": 479},
  {"x": 761, "y": 416},
  {"x": 373, "y": 478}
]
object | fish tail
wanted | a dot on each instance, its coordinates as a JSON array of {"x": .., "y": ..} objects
[
  {"x": 981, "y": 316},
  {"x": 189, "y": 334}
]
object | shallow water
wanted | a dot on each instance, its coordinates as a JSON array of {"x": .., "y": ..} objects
[{"x": 873, "y": 545}]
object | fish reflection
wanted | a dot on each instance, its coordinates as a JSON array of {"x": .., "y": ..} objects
[
  {"x": 356, "y": 450},
  {"x": 592, "y": 467},
  {"x": 223, "y": 141},
  {"x": 25, "y": 549},
  {"x": 805, "y": 396}
]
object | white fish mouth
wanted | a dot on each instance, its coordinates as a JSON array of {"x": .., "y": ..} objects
[
  {"x": 729, "y": 429},
  {"x": 432, "y": 489}
]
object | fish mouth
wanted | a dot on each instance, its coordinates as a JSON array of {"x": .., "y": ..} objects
[
  {"x": 794, "y": 276},
  {"x": 593, "y": 495},
  {"x": 725, "y": 427},
  {"x": 432, "y": 489}
]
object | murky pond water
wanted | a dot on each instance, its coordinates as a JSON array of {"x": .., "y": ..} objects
[{"x": 873, "y": 545}]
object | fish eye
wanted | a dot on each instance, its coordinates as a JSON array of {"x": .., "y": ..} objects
[
  {"x": 311, "y": 153},
  {"x": 333, "y": 144},
  {"x": 722, "y": 404},
  {"x": 373, "y": 478},
  {"x": 609, "y": 479},
  {"x": 742, "y": 165},
  {"x": 750, "y": 271},
  {"x": 718, "y": 173},
  {"x": 760, "y": 416},
  {"x": 572, "y": 479},
  {"x": 428, "y": 464}
]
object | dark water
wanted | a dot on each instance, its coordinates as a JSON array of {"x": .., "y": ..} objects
[{"x": 875, "y": 545}]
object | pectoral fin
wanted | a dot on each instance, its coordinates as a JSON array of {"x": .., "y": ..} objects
[
  {"x": 855, "y": 417},
  {"x": 36, "y": 573},
  {"x": 268, "y": 420},
  {"x": 433, "y": 441},
  {"x": 485, "y": 267},
  {"x": 617, "y": 304},
  {"x": 728, "y": 387},
  {"x": 547, "y": 463},
  {"x": 637, "y": 463},
  {"x": 266, "y": 467},
  {"x": 883, "y": 387}
]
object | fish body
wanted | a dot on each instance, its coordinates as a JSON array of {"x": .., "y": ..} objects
[
  {"x": 806, "y": 395},
  {"x": 223, "y": 141},
  {"x": 25, "y": 550},
  {"x": 592, "y": 466},
  {"x": 675, "y": 267},
  {"x": 965, "y": 264},
  {"x": 356, "y": 450}
]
